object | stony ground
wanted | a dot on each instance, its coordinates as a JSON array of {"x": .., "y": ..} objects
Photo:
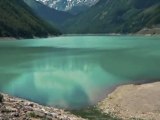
[
  {"x": 18, "y": 109},
  {"x": 134, "y": 102}
]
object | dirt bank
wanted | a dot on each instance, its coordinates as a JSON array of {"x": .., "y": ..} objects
[{"x": 134, "y": 102}]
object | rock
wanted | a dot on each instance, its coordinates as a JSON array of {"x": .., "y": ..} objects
[
  {"x": 1, "y": 98},
  {"x": 28, "y": 108},
  {"x": 10, "y": 109},
  {"x": 2, "y": 109},
  {"x": 29, "y": 104},
  {"x": 36, "y": 114},
  {"x": 18, "y": 109},
  {"x": 39, "y": 114},
  {"x": 49, "y": 117},
  {"x": 54, "y": 115},
  {"x": 15, "y": 114}
]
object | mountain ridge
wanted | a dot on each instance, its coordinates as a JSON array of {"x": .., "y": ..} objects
[
  {"x": 112, "y": 16},
  {"x": 50, "y": 15},
  {"x": 71, "y": 6},
  {"x": 17, "y": 20}
]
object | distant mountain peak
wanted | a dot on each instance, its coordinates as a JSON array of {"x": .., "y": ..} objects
[{"x": 66, "y": 5}]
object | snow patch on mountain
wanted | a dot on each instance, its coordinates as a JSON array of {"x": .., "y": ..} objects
[{"x": 66, "y": 5}]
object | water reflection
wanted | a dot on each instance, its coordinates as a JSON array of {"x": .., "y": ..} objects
[
  {"x": 66, "y": 80},
  {"x": 74, "y": 77}
]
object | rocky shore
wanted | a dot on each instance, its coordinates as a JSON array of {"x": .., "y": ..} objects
[
  {"x": 12, "y": 108},
  {"x": 128, "y": 102},
  {"x": 133, "y": 102},
  {"x": 149, "y": 31}
]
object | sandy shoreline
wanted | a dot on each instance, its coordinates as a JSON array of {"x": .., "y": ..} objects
[{"x": 133, "y": 102}]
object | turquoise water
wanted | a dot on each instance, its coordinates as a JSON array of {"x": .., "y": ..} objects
[{"x": 76, "y": 71}]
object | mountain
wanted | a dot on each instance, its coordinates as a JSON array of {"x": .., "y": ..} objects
[
  {"x": 116, "y": 16},
  {"x": 72, "y": 6},
  {"x": 48, "y": 14},
  {"x": 17, "y": 20}
]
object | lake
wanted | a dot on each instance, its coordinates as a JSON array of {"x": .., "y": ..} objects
[{"x": 76, "y": 71}]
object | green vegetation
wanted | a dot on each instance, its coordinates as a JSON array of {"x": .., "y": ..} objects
[
  {"x": 32, "y": 114},
  {"x": 92, "y": 113},
  {"x": 17, "y": 20},
  {"x": 116, "y": 16}
]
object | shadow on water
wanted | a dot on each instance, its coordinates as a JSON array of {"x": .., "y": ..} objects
[{"x": 137, "y": 65}]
